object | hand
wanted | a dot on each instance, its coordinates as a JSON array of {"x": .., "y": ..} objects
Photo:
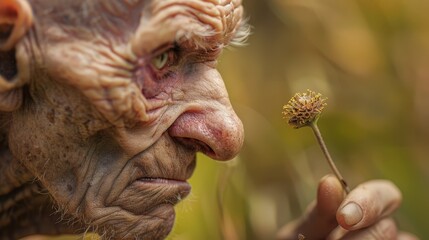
[{"x": 364, "y": 214}]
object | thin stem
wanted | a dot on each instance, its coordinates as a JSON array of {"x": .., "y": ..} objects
[{"x": 325, "y": 151}]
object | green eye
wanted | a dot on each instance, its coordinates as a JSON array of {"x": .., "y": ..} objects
[{"x": 160, "y": 61}]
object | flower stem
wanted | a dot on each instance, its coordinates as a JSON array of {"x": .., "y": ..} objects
[{"x": 325, "y": 151}]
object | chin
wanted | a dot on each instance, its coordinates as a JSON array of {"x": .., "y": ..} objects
[
  {"x": 144, "y": 210},
  {"x": 118, "y": 223}
]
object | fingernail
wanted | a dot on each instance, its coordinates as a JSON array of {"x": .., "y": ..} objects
[{"x": 352, "y": 214}]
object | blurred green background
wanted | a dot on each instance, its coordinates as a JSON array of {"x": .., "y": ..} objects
[{"x": 371, "y": 59}]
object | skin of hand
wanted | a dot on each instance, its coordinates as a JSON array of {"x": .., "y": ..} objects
[{"x": 364, "y": 214}]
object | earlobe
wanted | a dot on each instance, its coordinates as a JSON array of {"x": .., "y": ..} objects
[{"x": 16, "y": 18}]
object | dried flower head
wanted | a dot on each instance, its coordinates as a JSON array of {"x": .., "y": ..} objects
[{"x": 303, "y": 108}]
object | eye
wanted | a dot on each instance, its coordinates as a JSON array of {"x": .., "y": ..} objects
[{"x": 160, "y": 61}]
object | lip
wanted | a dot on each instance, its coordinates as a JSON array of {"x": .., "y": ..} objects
[
  {"x": 146, "y": 194},
  {"x": 157, "y": 180},
  {"x": 181, "y": 187},
  {"x": 164, "y": 171}
]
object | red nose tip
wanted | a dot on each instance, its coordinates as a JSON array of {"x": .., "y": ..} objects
[{"x": 220, "y": 136}]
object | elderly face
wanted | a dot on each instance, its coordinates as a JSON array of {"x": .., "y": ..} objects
[{"x": 119, "y": 97}]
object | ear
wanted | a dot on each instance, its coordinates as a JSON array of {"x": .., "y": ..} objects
[{"x": 16, "y": 18}]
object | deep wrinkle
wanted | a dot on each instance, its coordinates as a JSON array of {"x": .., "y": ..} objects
[{"x": 82, "y": 74}]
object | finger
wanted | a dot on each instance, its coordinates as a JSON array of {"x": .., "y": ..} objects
[
  {"x": 385, "y": 229},
  {"x": 368, "y": 203},
  {"x": 320, "y": 218}
]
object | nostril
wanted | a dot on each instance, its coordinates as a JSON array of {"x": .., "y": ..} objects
[
  {"x": 196, "y": 145},
  {"x": 218, "y": 134}
]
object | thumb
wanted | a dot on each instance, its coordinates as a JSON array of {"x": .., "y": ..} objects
[{"x": 320, "y": 218}]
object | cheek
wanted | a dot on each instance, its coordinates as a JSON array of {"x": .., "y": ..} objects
[
  {"x": 46, "y": 158},
  {"x": 39, "y": 141}
]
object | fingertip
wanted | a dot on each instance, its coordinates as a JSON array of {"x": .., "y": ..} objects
[
  {"x": 395, "y": 191},
  {"x": 350, "y": 215},
  {"x": 320, "y": 218},
  {"x": 329, "y": 195},
  {"x": 368, "y": 203}
]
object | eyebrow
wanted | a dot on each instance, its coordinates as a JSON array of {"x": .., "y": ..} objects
[
  {"x": 242, "y": 34},
  {"x": 208, "y": 32},
  {"x": 201, "y": 40}
]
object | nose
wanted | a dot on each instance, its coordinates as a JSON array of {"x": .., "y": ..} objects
[
  {"x": 218, "y": 134},
  {"x": 209, "y": 124}
]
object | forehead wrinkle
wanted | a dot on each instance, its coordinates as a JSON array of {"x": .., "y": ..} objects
[
  {"x": 204, "y": 24},
  {"x": 204, "y": 15},
  {"x": 82, "y": 19}
]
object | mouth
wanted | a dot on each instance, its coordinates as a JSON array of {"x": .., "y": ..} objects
[
  {"x": 181, "y": 187},
  {"x": 173, "y": 190},
  {"x": 155, "y": 180},
  {"x": 146, "y": 194}
]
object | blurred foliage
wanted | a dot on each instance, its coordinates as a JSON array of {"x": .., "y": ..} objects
[{"x": 371, "y": 58}]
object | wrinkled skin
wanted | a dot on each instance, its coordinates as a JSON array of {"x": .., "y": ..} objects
[
  {"x": 110, "y": 102},
  {"x": 103, "y": 107}
]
